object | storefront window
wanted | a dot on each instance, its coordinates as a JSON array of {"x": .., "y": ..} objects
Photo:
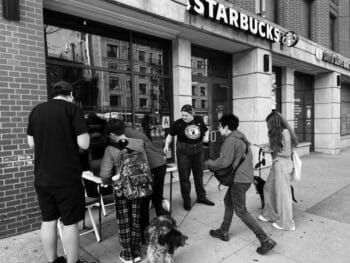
[
  {"x": 107, "y": 79},
  {"x": 345, "y": 109}
]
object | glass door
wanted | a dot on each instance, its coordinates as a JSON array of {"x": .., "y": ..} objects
[{"x": 211, "y": 92}]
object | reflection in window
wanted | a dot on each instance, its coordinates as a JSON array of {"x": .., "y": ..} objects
[
  {"x": 66, "y": 44},
  {"x": 112, "y": 51},
  {"x": 193, "y": 90},
  {"x": 143, "y": 103},
  {"x": 203, "y": 91},
  {"x": 199, "y": 66},
  {"x": 104, "y": 81},
  {"x": 194, "y": 103},
  {"x": 142, "y": 56},
  {"x": 113, "y": 83},
  {"x": 142, "y": 89},
  {"x": 115, "y": 100},
  {"x": 203, "y": 104},
  {"x": 143, "y": 70}
]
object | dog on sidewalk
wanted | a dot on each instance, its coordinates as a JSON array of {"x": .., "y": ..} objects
[
  {"x": 163, "y": 239},
  {"x": 259, "y": 184}
]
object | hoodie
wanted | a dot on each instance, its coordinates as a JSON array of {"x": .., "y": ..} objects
[{"x": 232, "y": 150}]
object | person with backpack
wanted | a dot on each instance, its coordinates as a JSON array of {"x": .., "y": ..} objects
[
  {"x": 232, "y": 150},
  {"x": 128, "y": 157},
  {"x": 158, "y": 167}
]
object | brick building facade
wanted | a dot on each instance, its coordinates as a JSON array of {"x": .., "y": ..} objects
[
  {"x": 22, "y": 85},
  {"x": 85, "y": 41}
]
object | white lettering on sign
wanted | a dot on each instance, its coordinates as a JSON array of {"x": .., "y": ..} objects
[{"x": 231, "y": 17}]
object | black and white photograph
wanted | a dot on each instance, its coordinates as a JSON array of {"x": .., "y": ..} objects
[{"x": 174, "y": 131}]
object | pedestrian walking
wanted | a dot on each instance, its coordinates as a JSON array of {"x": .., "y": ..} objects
[
  {"x": 277, "y": 190},
  {"x": 57, "y": 131},
  {"x": 232, "y": 150},
  {"x": 190, "y": 132}
]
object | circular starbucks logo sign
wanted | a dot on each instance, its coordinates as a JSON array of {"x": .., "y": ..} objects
[{"x": 192, "y": 132}]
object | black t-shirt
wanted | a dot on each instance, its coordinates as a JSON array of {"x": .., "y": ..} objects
[
  {"x": 55, "y": 126},
  {"x": 191, "y": 132}
]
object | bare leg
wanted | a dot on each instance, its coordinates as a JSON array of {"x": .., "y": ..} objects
[
  {"x": 70, "y": 241},
  {"x": 49, "y": 239}
]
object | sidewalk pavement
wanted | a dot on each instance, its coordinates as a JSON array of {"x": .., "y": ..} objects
[{"x": 322, "y": 219}]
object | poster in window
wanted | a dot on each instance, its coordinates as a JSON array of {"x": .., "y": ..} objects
[{"x": 165, "y": 122}]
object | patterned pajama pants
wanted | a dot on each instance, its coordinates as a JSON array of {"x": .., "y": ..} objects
[{"x": 128, "y": 226}]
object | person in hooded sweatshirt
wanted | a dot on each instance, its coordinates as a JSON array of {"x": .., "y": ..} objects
[{"x": 232, "y": 150}]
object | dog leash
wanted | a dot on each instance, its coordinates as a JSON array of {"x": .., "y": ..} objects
[{"x": 195, "y": 202}]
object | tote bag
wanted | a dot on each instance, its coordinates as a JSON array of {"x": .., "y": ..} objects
[{"x": 296, "y": 172}]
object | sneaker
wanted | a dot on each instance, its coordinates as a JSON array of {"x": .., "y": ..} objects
[
  {"x": 281, "y": 228},
  {"x": 166, "y": 205},
  {"x": 187, "y": 204},
  {"x": 125, "y": 260},
  {"x": 262, "y": 218},
  {"x": 137, "y": 259},
  {"x": 217, "y": 233},
  {"x": 205, "y": 201},
  {"x": 266, "y": 246}
]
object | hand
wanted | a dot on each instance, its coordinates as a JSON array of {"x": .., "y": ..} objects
[
  {"x": 166, "y": 149},
  {"x": 265, "y": 148},
  {"x": 116, "y": 177},
  {"x": 88, "y": 175}
]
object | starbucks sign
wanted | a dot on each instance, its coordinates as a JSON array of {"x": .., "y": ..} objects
[{"x": 229, "y": 16}]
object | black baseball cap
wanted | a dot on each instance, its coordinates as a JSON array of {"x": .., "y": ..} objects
[{"x": 63, "y": 86}]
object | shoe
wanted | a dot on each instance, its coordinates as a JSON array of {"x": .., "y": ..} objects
[
  {"x": 60, "y": 260},
  {"x": 205, "y": 201},
  {"x": 266, "y": 246},
  {"x": 281, "y": 228},
  {"x": 166, "y": 205},
  {"x": 137, "y": 259},
  {"x": 187, "y": 204},
  {"x": 262, "y": 218},
  {"x": 125, "y": 260},
  {"x": 217, "y": 233}
]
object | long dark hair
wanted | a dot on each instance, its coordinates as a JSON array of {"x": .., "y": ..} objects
[{"x": 276, "y": 123}]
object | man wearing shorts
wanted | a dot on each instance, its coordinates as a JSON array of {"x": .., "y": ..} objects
[{"x": 57, "y": 131}]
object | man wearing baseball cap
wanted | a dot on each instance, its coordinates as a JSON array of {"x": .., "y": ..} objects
[{"x": 57, "y": 131}]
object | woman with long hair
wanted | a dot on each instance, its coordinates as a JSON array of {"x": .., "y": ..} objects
[{"x": 277, "y": 190}]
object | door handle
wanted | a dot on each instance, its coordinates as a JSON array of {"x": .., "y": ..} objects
[{"x": 212, "y": 136}]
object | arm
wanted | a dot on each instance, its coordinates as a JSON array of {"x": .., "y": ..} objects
[
  {"x": 30, "y": 140},
  {"x": 83, "y": 141},
  {"x": 227, "y": 155},
  {"x": 287, "y": 146},
  {"x": 107, "y": 166},
  {"x": 168, "y": 141}
]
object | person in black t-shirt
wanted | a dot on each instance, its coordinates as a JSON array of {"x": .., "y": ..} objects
[
  {"x": 57, "y": 131},
  {"x": 191, "y": 132}
]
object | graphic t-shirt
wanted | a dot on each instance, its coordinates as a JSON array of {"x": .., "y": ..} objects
[
  {"x": 55, "y": 126},
  {"x": 191, "y": 132}
]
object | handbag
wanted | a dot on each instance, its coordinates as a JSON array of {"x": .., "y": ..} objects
[
  {"x": 297, "y": 163},
  {"x": 226, "y": 175}
]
